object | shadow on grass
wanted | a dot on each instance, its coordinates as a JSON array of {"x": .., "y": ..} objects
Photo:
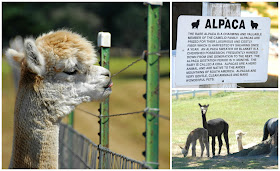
[{"x": 258, "y": 162}]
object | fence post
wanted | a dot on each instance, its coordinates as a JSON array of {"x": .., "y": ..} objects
[
  {"x": 152, "y": 85},
  {"x": 104, "y": 42},
  {"x": 71, "y": 119},
  {"x": 220, "y": 9}
]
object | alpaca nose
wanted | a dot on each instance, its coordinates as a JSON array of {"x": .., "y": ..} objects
[{"x": 105, "y": 72}]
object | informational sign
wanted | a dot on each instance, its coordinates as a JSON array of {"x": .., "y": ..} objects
[{"x": 217, "y": 50}]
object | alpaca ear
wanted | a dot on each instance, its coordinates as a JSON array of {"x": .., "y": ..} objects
[
  {"x": 208, "y": 105},
  {"x": 35, "y": 61},
  {"x": 199, "y": 104},
  {"x": 14, "y": 57},
  {"x": 181, "y": 147}
]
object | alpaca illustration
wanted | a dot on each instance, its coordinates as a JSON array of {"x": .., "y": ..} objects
[
  {"x": 195, "y": 24},
  {"x": 254, "y": 25}
]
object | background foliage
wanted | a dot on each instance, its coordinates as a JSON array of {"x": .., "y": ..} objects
[{"x": 125, "y": 21}]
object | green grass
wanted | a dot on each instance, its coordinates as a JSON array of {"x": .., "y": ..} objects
[{"x": 244, "y": 110}]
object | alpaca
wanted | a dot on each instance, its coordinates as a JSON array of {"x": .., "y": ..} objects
[
  {"x": 215, "y": 127},
  {"x": 270, "y": 127},
  {"x": 195, "y": 24},
  {"x": 57, "y": 73},
  {"x": 254, "y": 25},
  {"x": 239, "y": 135},
  {"x": 202, "y": 135}
]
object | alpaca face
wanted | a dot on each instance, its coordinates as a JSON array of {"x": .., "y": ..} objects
[
  {"x": 60, "y": 67},
  {"x": 203, "y": 108},
  {"x": 239, "y": 135},
  {"x": 184, "y": 152}
]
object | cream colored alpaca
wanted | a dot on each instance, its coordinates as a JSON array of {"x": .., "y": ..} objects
[
  {"x": 57, "y": 73},
  {"x": 239, "y": 135}
]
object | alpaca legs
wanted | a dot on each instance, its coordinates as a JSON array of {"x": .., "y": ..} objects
[
  {"x": 226, "y": 139},
  {"x": 220, "y": 143},
  {"x": 206, "y": 143},
  {"x": 193, "y": 148},
  {"x": 213, "y": 145},
  {"x": 201, "y": 146},
  {"x": 265, "y": 132}
]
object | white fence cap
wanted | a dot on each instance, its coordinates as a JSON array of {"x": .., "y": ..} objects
[
  {"x": 104, "y": 39},
  {"x": 154, "y": 3}
]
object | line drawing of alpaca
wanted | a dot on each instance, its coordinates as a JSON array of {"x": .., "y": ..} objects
[
  {"x": 195, "y": 24},
  {"x": 202, "y": 135},
  {"x": 254, "y": 25}
]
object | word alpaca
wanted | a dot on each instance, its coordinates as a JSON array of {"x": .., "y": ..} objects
[
  {"x": 202, "y": 135},
  {"x": 57, "y": 74},
  {"x": 215, "y": 127},
  {"x": 224, "y": 24},
  {"x": 254, "y": 25},
  {"x": 195, "y": 24},
  {"x": 270, "y": 128},
  {"x": 239, "y": 135}
]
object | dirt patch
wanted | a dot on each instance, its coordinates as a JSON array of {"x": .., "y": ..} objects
[{"x": 225, "y": 162}]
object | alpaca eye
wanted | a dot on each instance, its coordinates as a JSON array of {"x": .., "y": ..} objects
[{"x": 70, "y": 72}]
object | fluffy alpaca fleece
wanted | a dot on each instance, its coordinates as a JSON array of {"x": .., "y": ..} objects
[
  {"x": 57, "y": 73},
  {"x": 239, "y": 135}
]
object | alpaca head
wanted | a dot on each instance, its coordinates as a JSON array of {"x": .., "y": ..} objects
[
  {"x": 203, "y": 108},
  {"x": 184, "y": 151},
  {"x": 239, "y": 135},
  {"x": 59, "y": 67}
]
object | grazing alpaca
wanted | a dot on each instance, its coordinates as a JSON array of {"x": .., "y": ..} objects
[
  {"x": 270, "y": 127},
  {"x": 239, "y": 135},
  {"x": 57, "y": 73},
  {"x": 215, "y": 127},
  {"x": 195, "y": 24},
  {"x": 202, "y": 135}
]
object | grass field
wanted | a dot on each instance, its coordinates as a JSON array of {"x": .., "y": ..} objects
[
  {"x": 125, "y": 131},
  {"x": 244, "y": 110}
]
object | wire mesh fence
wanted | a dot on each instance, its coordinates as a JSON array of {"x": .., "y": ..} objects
[{"x": 78, "y": 152}]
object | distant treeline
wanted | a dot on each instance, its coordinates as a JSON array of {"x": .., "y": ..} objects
[{"x": 125, "y": 21}]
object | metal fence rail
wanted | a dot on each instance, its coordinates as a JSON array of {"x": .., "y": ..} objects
[
  {"x": 78, "y": 152},
  {"x": 193, "y": 92}
]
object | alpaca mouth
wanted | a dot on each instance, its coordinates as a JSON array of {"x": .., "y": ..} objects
[{"x": 109, "y": 85}]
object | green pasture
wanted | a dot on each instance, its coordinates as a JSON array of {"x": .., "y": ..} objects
[
  {"x": 244, "y": 110},
  {"x": 125, "y": 131}
]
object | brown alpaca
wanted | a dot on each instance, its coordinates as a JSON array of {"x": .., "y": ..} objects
[
  {"x": 202, "y": 135},
  {"x": 57, "y": 73}
]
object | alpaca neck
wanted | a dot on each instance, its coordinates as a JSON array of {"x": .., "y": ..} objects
[
  {"x": 36, "y": 132},
  {"x": 239, "y": 143},
  {"x": 187, "y": 145},
  {"x": 204, "y": 122}
]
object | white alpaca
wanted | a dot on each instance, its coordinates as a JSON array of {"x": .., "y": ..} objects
[
  {"x": 239, "y": 135},
  {"x": 57, "y": 73}
]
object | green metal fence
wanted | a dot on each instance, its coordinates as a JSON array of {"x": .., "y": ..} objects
[
  {"x": 78, "y": 152},
  {"x": 151, "y": 112}
]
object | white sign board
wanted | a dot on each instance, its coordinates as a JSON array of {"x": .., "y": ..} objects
[{"x": 217, "y": 50}]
